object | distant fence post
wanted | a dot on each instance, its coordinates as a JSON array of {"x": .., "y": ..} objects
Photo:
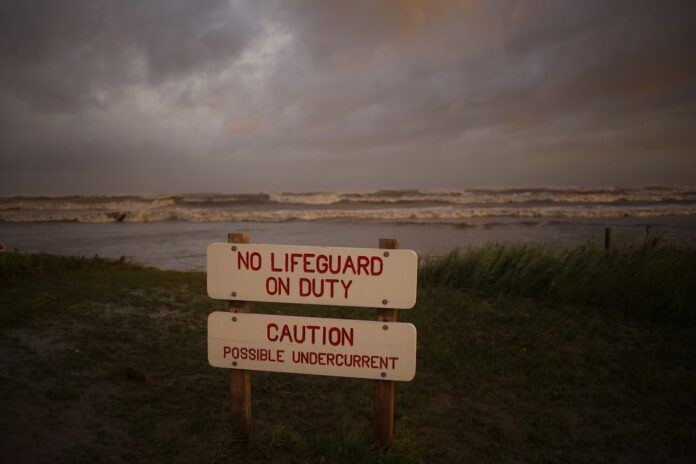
[
  {"x": 607, "y": 238},
  {"x": 384, "y": 389},
  {"x": 240, "y": 380}
]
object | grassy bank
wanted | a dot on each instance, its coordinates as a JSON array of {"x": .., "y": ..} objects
[
  {"x": 652, "y": 282},
  {"x": 524, "y": 355}
]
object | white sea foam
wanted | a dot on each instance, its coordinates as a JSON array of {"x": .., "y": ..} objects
[
  {"x": 403, "y": 198},
  {"x": 307, "y": 198},
  {"x": 57, "y": 204},
  {"x": 424, "y": 215},
  {"x": 384, "y": 205}
]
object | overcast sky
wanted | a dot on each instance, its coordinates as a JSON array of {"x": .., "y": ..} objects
[{"x": 101, "y": 96}]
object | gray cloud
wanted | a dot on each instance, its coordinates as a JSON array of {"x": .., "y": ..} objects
[
  {"x": 213, "y": 95},
  {"x": 59, "y": 55}
]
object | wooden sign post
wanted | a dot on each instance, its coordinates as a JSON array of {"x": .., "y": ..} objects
[
  {"x": 384, "y": 389},
  {"x": 240, "y": 380}
]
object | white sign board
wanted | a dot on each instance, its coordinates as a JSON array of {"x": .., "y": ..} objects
[
  {"x": 365, "y": 277},
  {"x": 310, "y": 345}
]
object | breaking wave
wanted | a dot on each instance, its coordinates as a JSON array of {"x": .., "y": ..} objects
[
  {"x": 398, "y": 206},
  {"x": 423, "y": 215},
  {"x": 391, "y": 198}
]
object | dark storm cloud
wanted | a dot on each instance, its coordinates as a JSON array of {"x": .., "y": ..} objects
[
  {"x": 63, "y": 54},
  {"x": 212, "y": 95}
]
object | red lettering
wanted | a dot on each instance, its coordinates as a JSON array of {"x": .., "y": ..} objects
[
  {"x": 334, "y": 336},
  {"x": 347, "y": 336},
  {"x": 363, "y": 262},
  {"x": 322, "y": 264},
  {"x": 348, "y": 263},
  {"x": 331, "y": 289},
  {"x": 294, "y": 260},
  {"x": 243, "y": 260},
  {"x": 297, "y": 338},
  {"x": 273, "y": 268},
  {"x": 306, "y": 262},
  {"x": 346, "y": 287},
  {"x": 278, "y": 285},
  {"x": 270, "y": 326},
  {"x": 316, "y": 289},
  {"x": 338, "y": 265},
  {"x": 284, "y": 285},
  {"x": 271, "y": 286},
  {"x": 253, "y": 260},
  {"x": 374, "y": 269},
  {"x": 285, "y": 333},
  {"x": 314, "y": 329},
  {"x": 225, "y": 351},
  {"x": 305, "y": 286}
]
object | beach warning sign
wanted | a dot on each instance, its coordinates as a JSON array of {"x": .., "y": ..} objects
[
  {"x": 362, "y": 277},
  {"x": 310, "y": 345}
]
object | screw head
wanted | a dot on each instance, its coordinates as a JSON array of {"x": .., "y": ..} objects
[
  {"x": 386, "y": 254},
  {"x": 234, "y": 318},
  {"x": 233, "y": 294},
  {"x": 234, "y": 248},
  {"x": 385, "y": 302},
  {"x": 383, "y": 374},
  {"x": 234, "y": 363},
  {"x": 385, "y": 327}
]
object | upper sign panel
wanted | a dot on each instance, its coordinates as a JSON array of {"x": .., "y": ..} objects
[{"x": 367, "y": 277}]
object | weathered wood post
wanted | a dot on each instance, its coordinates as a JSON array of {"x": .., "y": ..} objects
[
  {"x": 607, "y": 238},
  {"x": 240, "y": 380},
  {"x": 384, "y": 389}
]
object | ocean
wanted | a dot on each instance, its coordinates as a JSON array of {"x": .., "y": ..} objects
[{"x": 173, "y": 231}]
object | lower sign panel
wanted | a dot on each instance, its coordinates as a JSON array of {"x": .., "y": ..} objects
[{"x": 310, "y": 345}]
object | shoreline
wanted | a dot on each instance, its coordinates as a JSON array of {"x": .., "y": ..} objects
[{"x": 181, "y": 245}]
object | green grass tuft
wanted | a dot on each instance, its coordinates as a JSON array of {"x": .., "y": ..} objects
[
  {"x": 652, "y": 282},
  {"x": 14, "y": 265}
]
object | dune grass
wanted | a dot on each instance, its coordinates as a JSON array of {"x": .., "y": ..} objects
[
  {"x": 15, "y": 265},
  {"x": 106, "y": 361},
  {"x": 653, "y": 282}
]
